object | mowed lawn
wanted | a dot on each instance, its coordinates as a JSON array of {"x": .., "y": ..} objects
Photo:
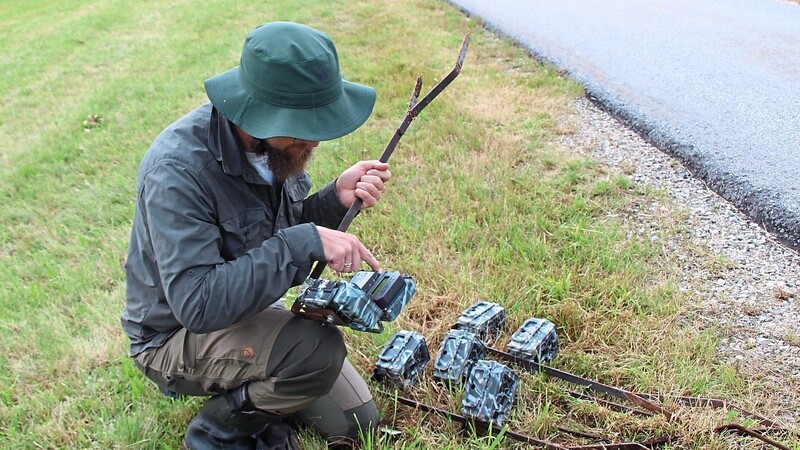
[{"x": 483, "y": 205}]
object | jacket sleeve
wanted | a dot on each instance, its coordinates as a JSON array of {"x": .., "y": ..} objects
[
  {"x": 324, "y": 208},
  {"x": 205, "y": 292}
]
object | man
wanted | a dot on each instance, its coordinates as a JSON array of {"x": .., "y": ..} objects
[{"x": 223, "y": 228}]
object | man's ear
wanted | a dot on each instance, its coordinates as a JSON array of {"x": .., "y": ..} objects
[{"x": 245, "y": 139}]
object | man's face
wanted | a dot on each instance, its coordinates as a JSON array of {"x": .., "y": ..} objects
[{"x": 287, "y": 156}]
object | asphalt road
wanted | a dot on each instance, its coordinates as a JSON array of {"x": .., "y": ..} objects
[{"x": 715, "y": 83}]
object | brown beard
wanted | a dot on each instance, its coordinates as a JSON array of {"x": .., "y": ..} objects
[{"x": 283, "y": 163}]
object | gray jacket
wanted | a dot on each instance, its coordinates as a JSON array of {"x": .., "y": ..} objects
[{"x": 212, "y": 243}]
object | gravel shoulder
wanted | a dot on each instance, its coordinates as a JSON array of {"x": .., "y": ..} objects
[{"x": 737, "y": 277}]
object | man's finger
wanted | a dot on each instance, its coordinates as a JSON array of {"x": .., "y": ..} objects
[
  {"x": 372, "y": 189},
  {"x": 374, "y": 164},
  {"x": 368, "y": 200},
  {"x": 373, "y": 180},
  {"x": 367, "y": 257},
  {"x": 339, "y": 261},
  {"x": 384, "y": 175},
  {"x": 355, "y": 259}
]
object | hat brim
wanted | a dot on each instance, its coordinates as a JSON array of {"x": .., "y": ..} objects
[{"x": 264, "y": 120}]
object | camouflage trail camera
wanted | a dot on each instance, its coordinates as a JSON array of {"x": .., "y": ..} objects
[
  {"x": 402, "y": 360},
  {"x": 361, "y": 303},
  {"x": 489, "y": 393},
  {"x": 485, "y": 319},
  {"x": 536, "y": 341},
  {"x": 460, "y": 350}
]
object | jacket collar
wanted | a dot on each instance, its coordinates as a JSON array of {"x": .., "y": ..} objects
[
  {"x": 225, "y": 147},
  {"x": 223, "y": 144}
]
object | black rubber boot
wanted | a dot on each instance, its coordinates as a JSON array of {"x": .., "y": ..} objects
[
  {"x": 278, "y": 436},
  {"x": 227, "y": 421}
]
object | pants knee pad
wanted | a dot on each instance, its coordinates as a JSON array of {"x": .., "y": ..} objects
[{"x": 312, "y": 352}]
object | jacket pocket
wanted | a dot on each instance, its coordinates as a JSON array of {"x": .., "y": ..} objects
[
  {"x": 244, "y": 231},
  {"x": 296, "y": 190}
]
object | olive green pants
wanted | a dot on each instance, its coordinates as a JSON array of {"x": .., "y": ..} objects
[{"x": 292, "y": 366}]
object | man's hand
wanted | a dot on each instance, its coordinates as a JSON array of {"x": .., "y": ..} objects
[
  {"x": 344, "y": 252},
  {"x": 365, "y": 180}
]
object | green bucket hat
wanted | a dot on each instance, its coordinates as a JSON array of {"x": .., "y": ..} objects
[{"x": 288, "y": 84}]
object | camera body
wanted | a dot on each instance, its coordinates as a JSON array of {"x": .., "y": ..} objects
[
  {"x": 535, "y": 340},
  {"x": 489, "y": 393},
  {"x": 459, "y": 352},
  {"x": 402, "y": 360},
  {"x": 360, "y": 303},
  {"x": 485, "y": 319}
]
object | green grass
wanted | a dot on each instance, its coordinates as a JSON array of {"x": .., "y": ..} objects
[{"x": 483, "y": 206}]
